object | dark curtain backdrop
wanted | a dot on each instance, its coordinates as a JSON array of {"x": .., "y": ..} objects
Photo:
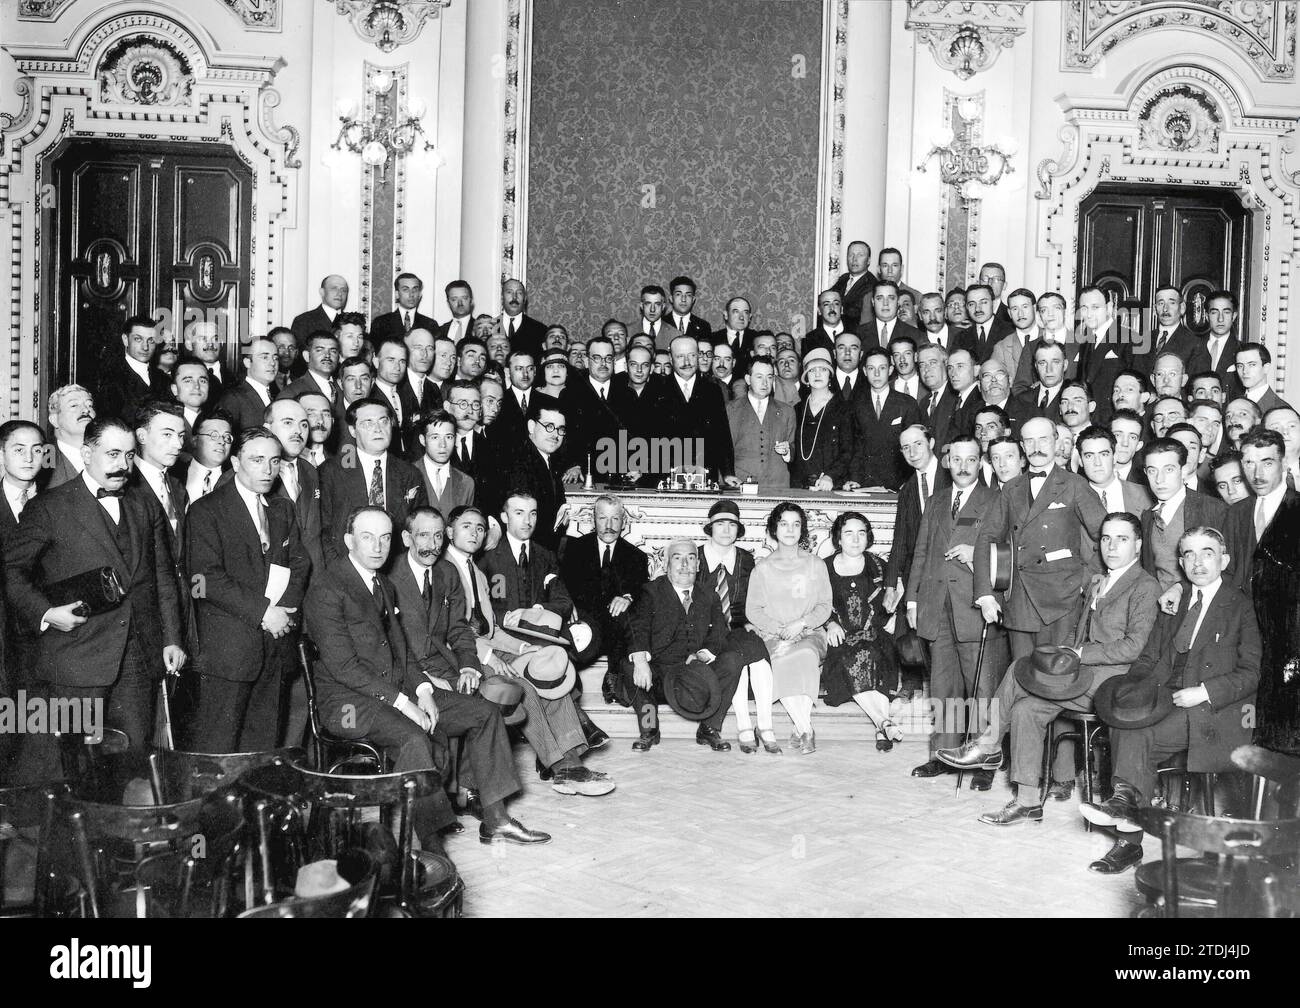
[{"x": 702, "y": 101}]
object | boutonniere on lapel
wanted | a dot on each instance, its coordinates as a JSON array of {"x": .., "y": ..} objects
[
  {"x": 316, "y": 494},
  {"x": 285, "y": 544},
  {"x": 410, "y": 494}
]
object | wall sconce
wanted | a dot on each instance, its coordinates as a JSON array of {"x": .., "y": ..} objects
[
  {"x": 964, "y": 164},
  {"x": 384, "y": 133}
]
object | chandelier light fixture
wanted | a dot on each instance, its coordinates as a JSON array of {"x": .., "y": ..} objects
[
  {"x": 964, "y": 163},
  {"x": 386, "y": 132}
]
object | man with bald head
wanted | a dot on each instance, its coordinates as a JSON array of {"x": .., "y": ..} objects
[
  {"x": 297, "y": 480},
  {"x": 677, "y": 628},
  {"x": 247, "y": 401},
  {"x": 333, "y": 299},
  {"x": 855, "y": 287},
  {"x": 695, "y": 412},
  {"x": 523, "y": 331}
]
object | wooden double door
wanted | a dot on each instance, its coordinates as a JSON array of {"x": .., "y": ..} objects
[
  {"x": 1134, "y": 239},
  {"x": 160, "y": 229}
]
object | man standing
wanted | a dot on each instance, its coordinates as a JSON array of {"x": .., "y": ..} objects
[
  {"x": 902, "y": 354},
  {"x": 878, "y": 418},
  {"x": 985, "y": 330},
  {"x": 695, "y": 411},
  {"x": 535, "y": 468},
  {"x": 848, "y": 380},
  {"x": 297, "y": 480},
  {"x": 460, "y": 302},
  {"x": 333, "y": 299},
  {"x": 589, "y": 410},
  {"x": 390, "y": 385},
  {"x": 205, "y": 343},
  {"x": 939, "y": 607},
  {"x": 1172, "y": 336},
  {"x": 737, "y": 334},
  {"x": 830, "y": 310},
  {"x": 1043, "y": 399},
  {"x": 1021, "y": 310},
  {"x": 320, "y": 427},
  {"x": 761, "y": 431},
  {"x": 651, "y": 321},
  {"x": 856, "y": 285},
  {"x": 213, "y": 438},
  {"x": 886, "y": 324},
  {"x": 682, "y": 292},
  {"x": 127, "y": 381},
  {"x": 71, "y": 409},
  {"x": 406, "y": 315},
  {"x": 995, "y": 384},
  {"x": 523, "y": 331},
  {"x": 1045, "y": 516},
  {"x": 372, "y": 476},
  {"x": 889, "y": 265},
  {"x": 160, "y": 435},
  {"x": 445, "y": 486},
  {"x": 934, "y": 321},
  {"x": 1221, "y": 343},
  {"x": 1254, "y": 372},
  {"x": 247, "y": 401},
  {"x": 190, "y": 387},
  {"x": 245, "y": 550},
  {"x": 322, "y": 359},
  {"x": 927, "y": 478},
  {"x": 472, "y": 454},
  {"x": 1096, "y": 448},
  {"x": 961, "y": 371},
  {"x": 417, "y": 386},
  {"x": 88, "y": 648}
]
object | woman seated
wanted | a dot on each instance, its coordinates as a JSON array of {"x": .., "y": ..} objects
[
  {"x": 860, "y": 665},
  {"x": 789, "y": 602}
]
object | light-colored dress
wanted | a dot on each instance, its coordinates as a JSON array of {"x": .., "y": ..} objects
[{"x": 780, "y": 592}]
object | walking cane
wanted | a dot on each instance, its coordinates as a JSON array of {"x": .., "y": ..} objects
[
  {"x": 975, "y": 692},
  {"x": 163, "y": 729},
  {"x": 1000, "y": 576}
]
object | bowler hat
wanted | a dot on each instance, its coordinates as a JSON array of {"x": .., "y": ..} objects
[
  {"x": 692, "y": 690},
  {"x": 727, "y": 511},
  {"x": 1133, "y": 701},
  {"x": 913, "y": 655},
  {"x": 507, "y": 694},
  {"x": 1052, "y": 672}
]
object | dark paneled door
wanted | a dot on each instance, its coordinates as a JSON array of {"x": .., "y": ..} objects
[
  {"x": 1134, "y": 239},
  {"x": 141, "y": 227}
]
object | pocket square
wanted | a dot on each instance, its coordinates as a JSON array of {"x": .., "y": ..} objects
[
  {"x": 285, "y": 544},
  {"x": 1111, "y": 355},
  {"x": 410, "y": 494},
  {"x": 1061, "y": 554},
  {"x": 1055, "y": 505},
  {"x": 896, "y": 421}
]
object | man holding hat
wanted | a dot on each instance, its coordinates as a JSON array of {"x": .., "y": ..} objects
[
  {"x": 678, "y": 633},
  {"x": 1121, "y": 610},
  {"x": 1191, "y": 690}
]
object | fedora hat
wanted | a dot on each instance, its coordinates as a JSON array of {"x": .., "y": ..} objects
[
  {"x": 727, "y": 511},
  {"x": 692, "y": 691},
  {"x": 1133, "y": 701},
  {"x": 1001, "y": 566},
  {"x": 581, "y": 639},
  {"x": 819, "y": 355},
  {"x": 554, "y": 683},
  {"x": 1052, "y": 672},
  {"x": 507, "y": 694},
  {"x": 913, "y": 655},
  {"x": 320, "y": 878}
]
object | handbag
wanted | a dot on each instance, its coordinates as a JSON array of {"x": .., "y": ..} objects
[{"x": 99, "y": 589}]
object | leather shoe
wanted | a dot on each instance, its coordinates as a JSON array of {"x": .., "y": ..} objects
[
  {"x": 544, "y": 772},
  {"x": 705, "y": 735},
  {"x": 1060, "y": 790},
  {"x": 453, "y": 828},
  {"x": 1013, "y": 812},
  {"x": 1120, "y": 858},
  {"x": 646, "y": 740},
  {"x": 930, "y": 768},
  {"x": 969, "y": 757},
  {"x": 596, "y": 737},
  {"x": 512, "y": 831},
  {"x": 582, "y": 781},
  {"x": 473, "y": 806},
  {"x": 981, "y": 780},
  {"x": 1119, "y": 810}
]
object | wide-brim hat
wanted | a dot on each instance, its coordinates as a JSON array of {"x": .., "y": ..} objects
[
  {"x": 1052, "y": 672},
  {"x": 818, "y": 355},
  {"x": 554, "y": 357},
  {"x": 565, "y": 677},
  {"x": 507, "y": 694},
  {"x": 727, "y": 511},
  {"x": 1133, "y": 701},
  {"x": 319, "y": 878},
  {"x": 693, "y": 691},
  {"x": 913, "y": 655},
  {"x": 581, "y": 639}
]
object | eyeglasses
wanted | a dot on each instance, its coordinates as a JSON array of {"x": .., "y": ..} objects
[
  {"x": 218, "y": 438},
  {"x": 380, "y": 423},
  {"x": 600, "y": 358},
  {"x": 551, "y": 428},
  {"x": 473, "y": 407}
]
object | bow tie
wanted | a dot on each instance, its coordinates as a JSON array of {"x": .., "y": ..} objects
[
  {"x": 1037, "y": 473},
  {"x": 101, "y": 492}
]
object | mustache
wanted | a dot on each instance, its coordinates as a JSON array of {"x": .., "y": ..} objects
[
  {"x": 117, "y": 474},
  {"x": 427, "y": 552}
]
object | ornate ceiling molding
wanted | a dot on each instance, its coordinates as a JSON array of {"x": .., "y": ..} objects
[
  {"x": 257, "y": 15},
  {"x": 965, "y": 36},
  {"x": 40, "y": 10},
  {"x": 1263, "y": 30},
  {"x": 389, "y": 23}
]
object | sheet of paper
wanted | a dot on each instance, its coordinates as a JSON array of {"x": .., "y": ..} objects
[{"x": 277, "y": 580}]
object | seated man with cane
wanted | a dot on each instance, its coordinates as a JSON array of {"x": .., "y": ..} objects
[{"x": 1121, "y": 610}]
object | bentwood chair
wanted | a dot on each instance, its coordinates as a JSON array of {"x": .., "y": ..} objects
[
  {"x": 355, "y": 866},
  {"x": 332, "y": 752}
]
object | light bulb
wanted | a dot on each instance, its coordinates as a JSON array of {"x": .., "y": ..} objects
[
  {"x": 374, "y": 153},
  {"x": 347, "y": 108},
  {"x": 968, "y": 109},
  {"x": 417, "y": 108},
  {"x": 942, "y": 137},
  {"x": 381, "y": 82},
  {"x": 1008, "y": 145}
]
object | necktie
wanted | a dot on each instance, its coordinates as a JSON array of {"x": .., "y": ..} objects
[
  {"x": 459, "y": 329},
  {"x": 1101, "y": 492},
  {"x": 1158, "y": 518},
  {"x": 102, "y": 493},
  {"x": 523, "y": 404},
  {"x": 165, "y": 498},
  {"x": 477, "y": 621},
  {"x": 406, "y": 321},
  {"x": 602, "y": 393},
  {"x": 652, "y": 332},
  {"x": 723, "y": 589},
  {"x": 1085, "y": 352},
  {"x": 956, "y": 505},
  {"x": 981, "y": 332},
  {"x": 439, "y": 482},
  {"x": 376, "y": 494},
  {"x": 847, "y": 390},
  {"x": 879, "y": 405},
  {"x": 510, "y": 334},
  {"x": 1215, "y": 346},
  {"x": 934, "y": 401},
  {"x": 262, "y": 533},
  {"x": 605, "y": 558},
  {"x": 1102, "y": 587},
  {"x": 25, "y": 496},
  {"x": 686, "y": 599},
  {"x": 525, "y": 578},
  {"x": 1042, "y": 400},
  {"x": 1160, "y": 343},
  {"x": 1261, "y": 520},
  {"x": 1183, "y": 639},
  {"x": 381, "y": 603},
  {"x": 289, "y": 477},
  {"x": 427, "y": 590},
  {"x": 207, "y": 482},
  {"x": 464, "y": 448},
  {"x": 925, "y": 491}
]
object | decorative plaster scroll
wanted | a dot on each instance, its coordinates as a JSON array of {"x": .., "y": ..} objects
[
  {"x": 257, "y": 15},
  {"x": 514, "y": 170},
  {"x": 1264, "y": 30},
  {"x": 40, "y": 10},
  {"x": 965, "y": 37},
  {"x": 389, "y": 23},
  {"x": 837, "y": 73},
  {"x": 141, "y": 71}
]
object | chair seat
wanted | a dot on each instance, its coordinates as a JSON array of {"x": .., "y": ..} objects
[{"x": 1196, "y": 881}]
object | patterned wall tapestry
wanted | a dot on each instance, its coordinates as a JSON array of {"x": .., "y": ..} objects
[{"x": 673, "y": 137}]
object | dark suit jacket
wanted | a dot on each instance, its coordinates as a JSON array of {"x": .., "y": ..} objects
[
  {"x": 696, "y": 329},
  {"x": 1225, "y": 658},
  {"x": 935, "y": 583},
  {"x": 1183, "y": 342},
  {"x": 544, "y": 583},
  {"x": 359, "y": 659},
  {"x": 306, "y": 509},
  {"x": 530, "y": 334},
  {"x": 658, "y": 623},
  {"x": 180, "y": 503},
  {"x": 1044, "y": 534},
  {"x": 1026, "y": 377},
  {"x": 1112, "y": 637},
  {"x": 938, "y": 418},
  {"x": 580, "y": 571},
  {"x": 869, "y": 333},
  {"x": 389, "y": 325},
  {"x": 66, "y": 532},
  {"x": 1198, "y": 509},
  {"x": 907, "y": 524},
  {"x": 527, "y": 470},
  {"x": 641, "y": 415},
  {"x": 61, "y": 471},
  {"x": 827, "y": 441},
  {"x": 309, "y": 322},
  {"x": 120, "y": 391},
  {"x": 1226, "y": 368},
  {"x": 877, "y": 460},
  {"x": 244, "y": 404},
  {"x": 226, "y": 554},
  {"x": 856, "y": 299},
  {"x": 1025, "y": 406},
  {"x": 437, "y": 633},
  {"x": 704, "y": 417},
  {"x": 1099, "y": 364},
  {"x": 1238, "y": 527},
  {"x": 743, "y": 353},
  {"x": 468, "y": 328},
  {"x": 744, "y": 567},
  {"x": 426, "y": 399},
  {"x": 819, "y": 338},
  {"x": 589, "y": 419},
  {"x": 344, "y": 487},
  {"x": 961, "y": 422},
  {"x": 459, "y": 489},
  {"x": 995, "y": 330},
  {"x": 481, "y": 459},
  {"x": 861, "y": 387}
]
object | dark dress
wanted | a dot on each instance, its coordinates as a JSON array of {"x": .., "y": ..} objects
[
  {"x": 823, "y": 443},
  {"x": 866, "y": 659}
]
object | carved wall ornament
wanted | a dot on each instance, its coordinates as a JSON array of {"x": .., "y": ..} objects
[
  {"x": 1264, "y": 30},
  {"x": 965, "y": 37},
  {"x": 145, "y": 71},
  {"x": 1180, "y": 118},
  {"x": 389, "y": 23},
  {"x": 259, "y": 15},
  {"x": 40, "y": 10}
]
